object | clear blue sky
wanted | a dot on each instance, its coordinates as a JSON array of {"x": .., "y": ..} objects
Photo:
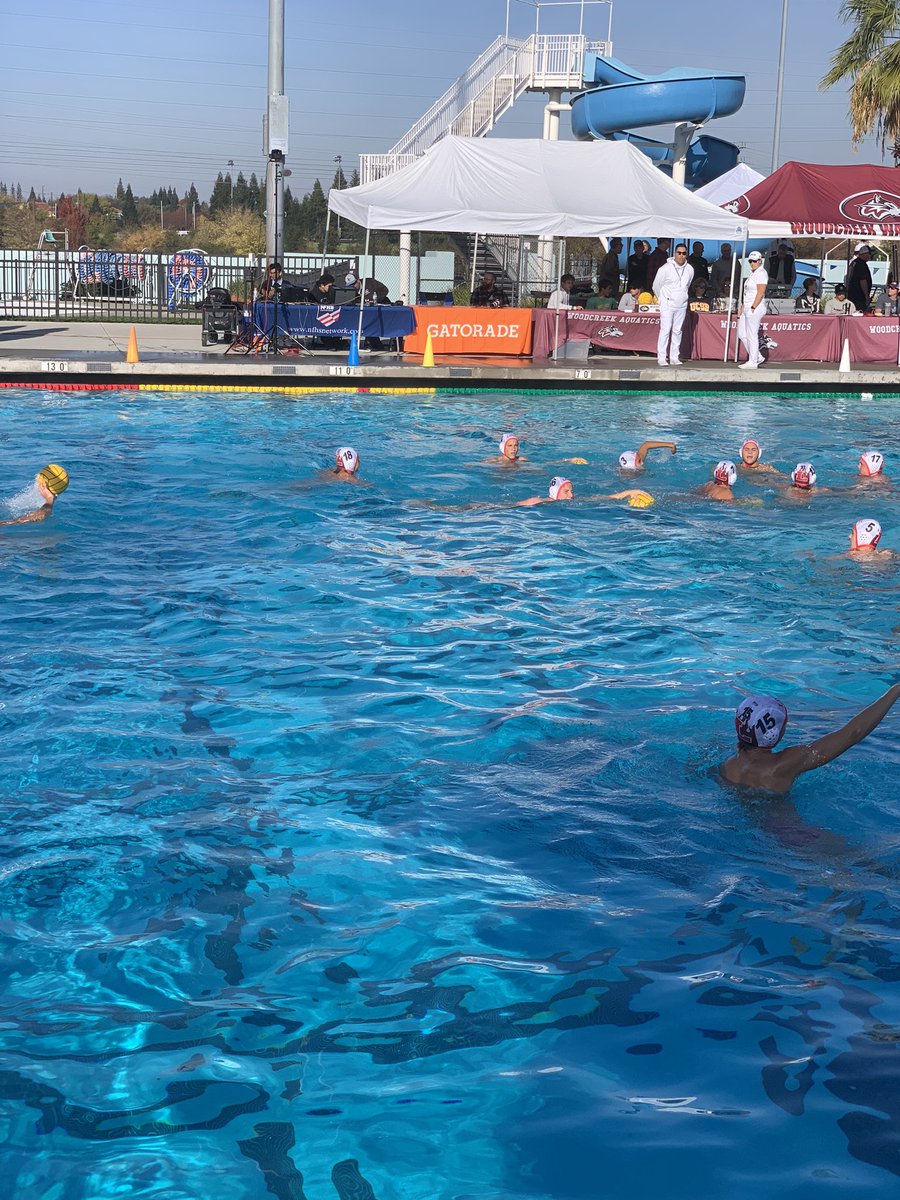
[{"x": 167, "y": 93}]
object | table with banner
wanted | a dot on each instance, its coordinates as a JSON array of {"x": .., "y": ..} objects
[
  {"x": 791, "y": 337},
  {"x": 311, "y": 320},
  {"x": 472, "y": 330},
  {"x": 873, "y": 339}
]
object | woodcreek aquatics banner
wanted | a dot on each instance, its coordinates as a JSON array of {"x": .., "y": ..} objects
[{"x": 471, "y": 330}]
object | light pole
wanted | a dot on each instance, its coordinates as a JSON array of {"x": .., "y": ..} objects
[
  {"x": 230, "y": 165},
  {"x": 779, "y": 90},
  {"x": 276, "y": 135}
]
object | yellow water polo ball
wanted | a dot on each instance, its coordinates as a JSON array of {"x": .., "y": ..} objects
[{"x": 54, "y": 478}]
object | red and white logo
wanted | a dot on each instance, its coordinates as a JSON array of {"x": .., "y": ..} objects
[
  {"x": 328, "y": 316},
  {"x": 871, "y": 206},
  {"x": 739, "y": 205}
]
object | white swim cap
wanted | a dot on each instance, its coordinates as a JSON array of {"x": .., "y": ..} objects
[
  {"x": 866, "y": 533},
  {"x": 507, "y": 437},
  {"x": 347, "y": 458},
  {"x": 725, "y": 472},
  {"x": 760, "y": 721},
  {"x": 750, "y": 442},
  {"x": 871, "y": 463},
  {"x": 628, "y": 461},
  {"x": 804, "y": 475},
  {"x": 557, "y": 483}
]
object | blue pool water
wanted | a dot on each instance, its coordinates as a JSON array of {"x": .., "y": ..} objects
[{"x": 361, "y": 843}]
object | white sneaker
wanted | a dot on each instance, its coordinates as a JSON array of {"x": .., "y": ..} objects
[
  {"x": 676, "y": 362},
  {"x": 662, "y": 362},
  {"x": 748, "y": 366}
]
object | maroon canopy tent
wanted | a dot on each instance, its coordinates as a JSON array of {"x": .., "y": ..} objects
[{"x": 812, "y": 200}]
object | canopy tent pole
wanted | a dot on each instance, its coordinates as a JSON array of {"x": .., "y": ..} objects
[
  {"x": 474, "y": 263},
  {"x": 730, "y": 308},
  {"x": 737, "y": 340},
  {"x": 822, "y": 269},
  {"x": 559, "y": 275},
  {"x": 362, "y": 288},
  {"x": 325, "y": 239}
]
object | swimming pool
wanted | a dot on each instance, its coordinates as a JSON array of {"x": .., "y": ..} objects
[{"x": 362, "y": 841}]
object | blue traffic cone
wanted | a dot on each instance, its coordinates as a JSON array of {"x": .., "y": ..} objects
[{"x": 353, "y": 356}]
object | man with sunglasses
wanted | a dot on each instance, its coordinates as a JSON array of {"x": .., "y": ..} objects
[{"x": 672, "y": 287}]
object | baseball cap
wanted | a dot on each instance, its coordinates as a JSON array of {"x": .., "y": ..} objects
[
  {"x": 860, "y": 246},
  {"x": 754, "y": 256},
  {"x": 839, "y": 287},
  {"x": 892, "y": 283}
]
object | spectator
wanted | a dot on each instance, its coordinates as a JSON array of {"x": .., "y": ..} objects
[
  {"x": 636, "y": 267},
  {"x": 839, "y": 305},
  {"x": 888, "y": 302},
  {"x": 698, "y": 296},
  {"x": 859, "y": 278},
  {"x": 322, "y": 291},
  {"x": 271, "y": 285},
  {"x": 657, "y": 259},
  {"x": 604, "y": 298},
  {"x": 630, "y": 301},
  {"x": 720, "y": 273},
  {"x": 488, "y": 294},
  {"x": 808, "y": 300},
  {"x": 781, "y": 268},
  {"x": 610, "y": 267},
  {"x": 560, "y": 297},
  {"x": 698, "y": 262}
]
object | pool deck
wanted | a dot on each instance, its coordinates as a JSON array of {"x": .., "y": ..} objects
[{"x": 91, "y": 354}]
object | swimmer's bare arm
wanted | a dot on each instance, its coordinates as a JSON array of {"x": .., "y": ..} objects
[
  {"x": 644, "y": 447},
  {"x": 39, "y": 514},
  {"x": 798, "y": 759}
]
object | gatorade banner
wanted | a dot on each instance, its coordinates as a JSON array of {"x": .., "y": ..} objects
[{"x": 471, "y": 330}]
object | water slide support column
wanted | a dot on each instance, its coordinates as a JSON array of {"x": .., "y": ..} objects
[
  {"x": 551, "y": 134},
  {"x": 683, "y": 135}
]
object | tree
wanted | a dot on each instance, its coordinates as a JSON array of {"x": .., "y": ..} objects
[
  {"x": 870, "y": 59},
  {"x": 238, "y": 232},
  {"x": 192, "y": 198},
  {"x": 256, "y": 198},
  {"x": 241, "y": 192},
  {"x": 314, "y": 212},
  {"x": 73, "y": 219},
  {"x": 340, "y": 180},
  {"x": 129, "y": 208},
  {"x": 120, "y": 191},
  {"x": 354, "y": 179},
  {"x": 220, "y": 200}
]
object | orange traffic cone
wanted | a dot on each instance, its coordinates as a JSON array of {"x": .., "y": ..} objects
[
  {"x": 132, "y": 355},
  {"x": 428, "y": 356}
]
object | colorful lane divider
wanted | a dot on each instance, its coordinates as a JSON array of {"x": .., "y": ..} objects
[{"x": 276, "y": 389}]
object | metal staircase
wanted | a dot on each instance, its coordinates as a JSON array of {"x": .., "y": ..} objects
[{"x": 473, "y": 105}]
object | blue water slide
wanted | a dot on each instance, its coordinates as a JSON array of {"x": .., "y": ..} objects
[
  {"x": 620, "y": 97},
  {"x": 708, "y": 157}
]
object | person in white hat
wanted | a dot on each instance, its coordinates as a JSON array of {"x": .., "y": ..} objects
[
  {"x": 760, "y": 722},
  {"x": 859, "y": 278},
  {"x": 752, "y": 310}
]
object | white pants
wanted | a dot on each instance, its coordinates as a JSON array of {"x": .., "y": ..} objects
[
  {"x": 748, "y": 331},
  {"x": 671, "y": 323}
]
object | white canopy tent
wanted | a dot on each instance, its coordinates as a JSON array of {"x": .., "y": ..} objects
[
  {"x": 535, "y": 187},
  {"x": 729, "y": 186}
]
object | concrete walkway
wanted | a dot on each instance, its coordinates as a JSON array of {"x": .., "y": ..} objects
[{"x": 93, "y": 353}]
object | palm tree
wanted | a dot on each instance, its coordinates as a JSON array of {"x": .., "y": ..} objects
[{"x": 870, "y": 59}]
